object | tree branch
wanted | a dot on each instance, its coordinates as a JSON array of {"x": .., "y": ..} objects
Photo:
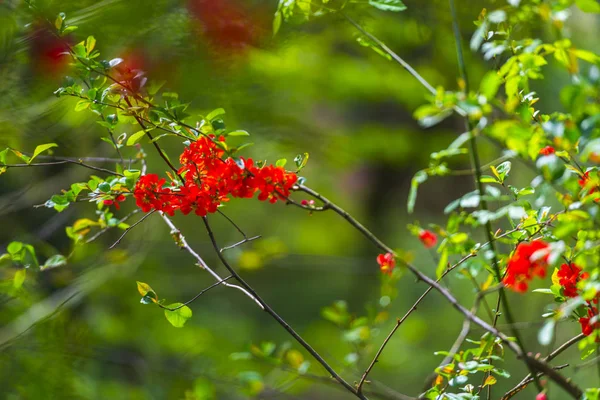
[{"x": 276, "y": 316}]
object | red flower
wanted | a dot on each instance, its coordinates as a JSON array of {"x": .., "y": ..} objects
[
  {"x": 386, "y": 263},
  {"x": 528, "y": 260},
  {"x": 546, "y": 151},
  {"x": 428, "y": 238},
  {"x": 541, "y": 396},
  {"x": 209, "y": 180},
  {"x": 568, "y": 276},
  {"x": 586, "y": 327}
]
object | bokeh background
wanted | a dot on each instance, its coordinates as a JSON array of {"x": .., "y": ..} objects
[{"x": 80, "y": 332}]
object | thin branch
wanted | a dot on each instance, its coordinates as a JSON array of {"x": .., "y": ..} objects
[
  {"x": 399, "y": 322},
  {"x": 241, "y": 242},
  {"x": 526, "y": 382},
  {"x": 395, "y": 56},
  {"x": 539, "y": 365},
  {"x": 158, "y": 148},
  {"x": 130, "y": 228},
  {"x": 103, "y": 231},
  {"x": 196, "y": 296},
  {"x": 276, "y": 316},
  {"x": 182, "y": 242},
  {"x": 46, "y": 164},
  {"x": 400, "y": 61}
]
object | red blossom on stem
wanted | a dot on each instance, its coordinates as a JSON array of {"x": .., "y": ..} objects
[
  {"x": 386, "y": 263},
  {"x": 209, "y": 180},
  {"x": 541, "y": 396},
  {"x": 588, "y": 327},
  {"x": 528, "y": 260},
  {"x": 546, "y": 151},
  {"x": 428, "y": 238},
  {"x": 568, "y": 276}
]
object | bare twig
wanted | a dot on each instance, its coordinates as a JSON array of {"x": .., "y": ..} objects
[
  {"x": 130, "y": 227},
  {"x": 276, "y": 316},
  {"x": 196, "y": 296},
  {"x": 76, "y": 162},
  {"x": 182, "y": 242},
  {"x": 103, "y": 231}
]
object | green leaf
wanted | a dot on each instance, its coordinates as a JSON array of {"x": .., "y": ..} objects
[
  {"x": 277, "y": 22},
  {"x": 58, "y": 22},
  {"x": 238, "y": 133},
  {"x": 82, "y": 105},
  {"x": 489, "y": 84},
  {"x": 300, "y": 160},
  {"x": 215, "y": 113},
  {"x": 178, "y": 317},
  {"x": 133, "y": 139},
  {"x": 14, "y": 247},
  {"x": 19, "y": 278},
  {"x": 590, "y": 6},
  {"x": 488, "y": 179},
  {"x": 148, "y": 294},
  {"x": 3, "y": 154},
  {"x": 388, "y": 5},
  {"x": 57, "y": 260},
  {"x": 40, "y": 149},
  {"x": 503, "y": 170},
  {"x": 367, "y": 42},
  {"x": 90, "y": 43},
  {"x": 281, "y": 162},
  {"x": 418, "y": 179}
]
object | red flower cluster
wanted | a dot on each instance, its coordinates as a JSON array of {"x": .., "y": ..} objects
[
  {"x": 586, "y": 327},
  {"x": 528, "y": 260},
  {"x": 386, "y": 263},
  {"x": 546, "y": 151},
  {"x": 428, "y": 238},
  {"x": 209, "y": 180},
  {"x": 568, "y": 276}
]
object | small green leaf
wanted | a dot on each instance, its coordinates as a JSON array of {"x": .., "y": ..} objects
[
  {"x": 90, "y": 43},
  {"x": 57, "y": 260},
  {"x": 178, "y": 317},
  {"x": 40, "y": 149},
  {"x": 238, "y": 133},
  {"x": 144, "y": 288},
  {"x": 489, "y": 84},
  {"x": 277, "y": 22},
  {"x": 418, "y": 179},
  {"x": 281, "y": 162},
  {"x": 300, "y": 160},
  {"x": 19, "y": 278},
  {"x": 14, "y": 247},
  {"x": 215, "y": 113},
  {"x": 590, "y": 6},
  {"x": 134, "y": 138},
  {"x": 3, "y": 154},
  {"x": 58, "y": 22}
]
